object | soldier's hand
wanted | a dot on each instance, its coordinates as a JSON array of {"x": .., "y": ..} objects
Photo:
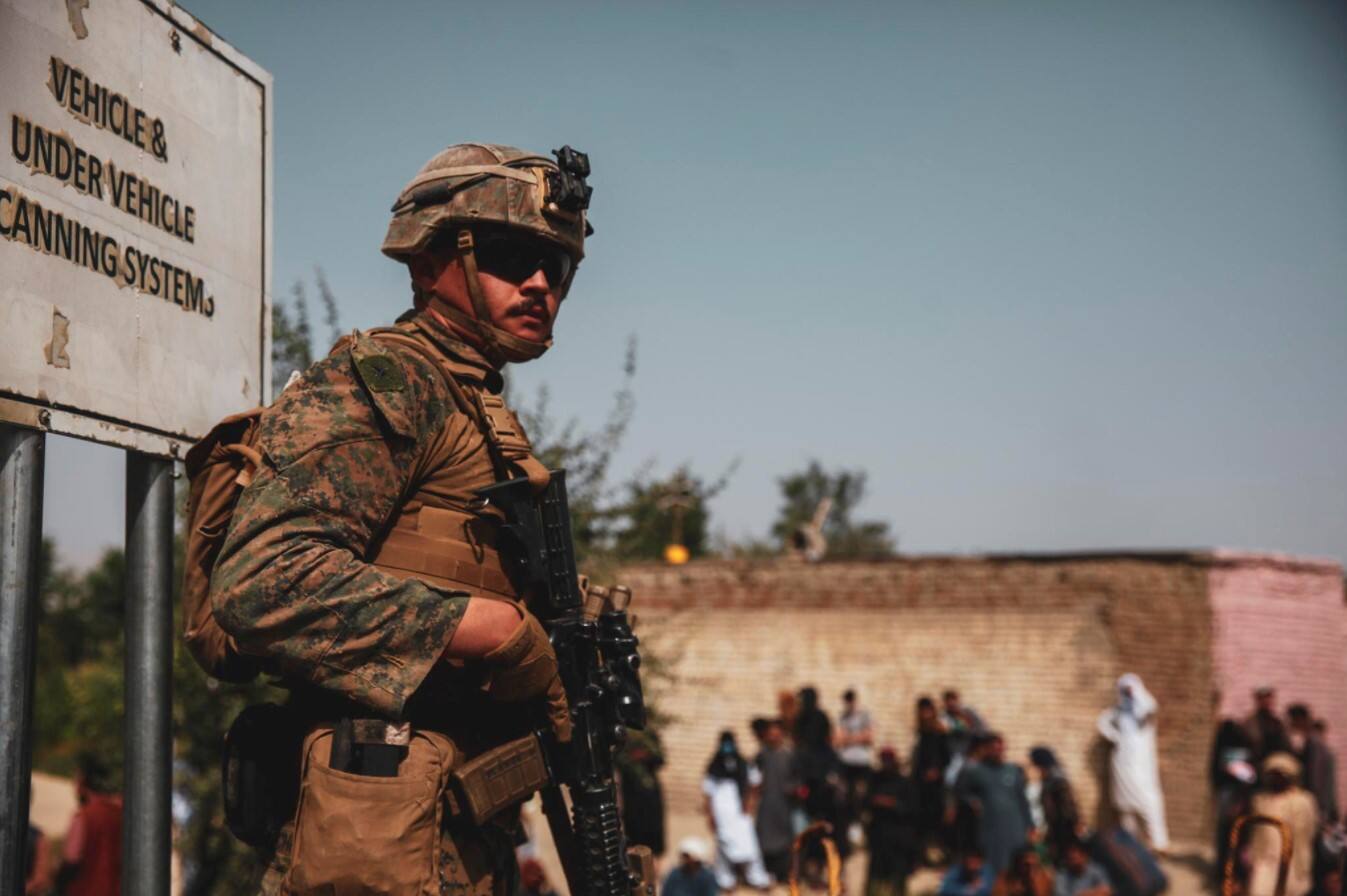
[{"x": 524, "y": 666}]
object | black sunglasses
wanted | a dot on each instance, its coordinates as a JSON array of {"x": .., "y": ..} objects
[{"x": 515, "y": 260}]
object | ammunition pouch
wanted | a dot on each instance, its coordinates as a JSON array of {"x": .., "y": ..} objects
[{"x": 498, "y": 779}]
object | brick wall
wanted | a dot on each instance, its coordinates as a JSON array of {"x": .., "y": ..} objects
[
  {"x": 1034, "y": 643},
  {"x": 1280, "y": 621}
]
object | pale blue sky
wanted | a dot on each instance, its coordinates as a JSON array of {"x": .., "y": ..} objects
[{"x": 1058, "y": 275}]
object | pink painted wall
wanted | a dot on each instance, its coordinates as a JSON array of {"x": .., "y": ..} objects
[{"x": 1281, "y": 621}]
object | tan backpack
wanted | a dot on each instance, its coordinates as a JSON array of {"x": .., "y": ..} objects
[{"x": 218, "y": 469}]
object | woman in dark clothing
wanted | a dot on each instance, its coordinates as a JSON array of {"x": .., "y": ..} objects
[
  {"x": 1061, "y": 815},
  {"x": 930, "y": 757},
  {"x": 817, "y": 766},
  {"x": 813, "y": 730},
  {"x": 891, "y": 833}
]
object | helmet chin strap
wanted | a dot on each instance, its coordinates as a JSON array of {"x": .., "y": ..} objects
[{"x": 497, "y": 345}]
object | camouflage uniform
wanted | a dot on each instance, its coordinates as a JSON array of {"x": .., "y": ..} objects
[{"x": 352, "y": 555}]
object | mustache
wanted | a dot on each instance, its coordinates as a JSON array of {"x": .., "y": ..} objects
[{"x": 527, "y": 305}]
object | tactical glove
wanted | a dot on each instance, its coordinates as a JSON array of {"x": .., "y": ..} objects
[{"x": 524, "y": 666}]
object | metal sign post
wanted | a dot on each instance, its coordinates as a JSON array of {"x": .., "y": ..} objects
[
  {"x": 149, "y": 673},
  {"x": 21, "y": 456}
]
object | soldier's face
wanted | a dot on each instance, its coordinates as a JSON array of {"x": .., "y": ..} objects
[{"x": 526, "y": 308}]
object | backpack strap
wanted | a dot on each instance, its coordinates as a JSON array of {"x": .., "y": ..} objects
[
  {"x": 508, "y": 441},
  {"x": 499, "y": 425}
]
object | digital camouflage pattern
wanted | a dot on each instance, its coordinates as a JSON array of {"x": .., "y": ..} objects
[
  {"x": 292, "y": 583},
  {"x": 363, "y": 434}
]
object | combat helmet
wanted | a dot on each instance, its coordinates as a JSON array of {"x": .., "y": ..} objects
[{"x": 486, "y": 185}]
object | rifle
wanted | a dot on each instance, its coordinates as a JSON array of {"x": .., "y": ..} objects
[{"x": 600, "y": 669}]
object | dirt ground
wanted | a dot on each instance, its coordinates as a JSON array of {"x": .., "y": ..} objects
[{"x": 1186, "y": 870}]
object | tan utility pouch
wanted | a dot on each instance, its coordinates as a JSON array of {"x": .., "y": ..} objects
[{"x": 357, "y": 834}]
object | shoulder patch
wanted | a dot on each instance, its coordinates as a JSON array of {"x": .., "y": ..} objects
[
  {"x": 381, "y": 373},
  {"x": 399, "y": 383}
]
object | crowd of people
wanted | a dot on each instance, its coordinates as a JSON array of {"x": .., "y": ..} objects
[
  {"x": 989, "y": 825},
  {"x": 1281, "y": 767},
  {"x": 954, "y": 801}
]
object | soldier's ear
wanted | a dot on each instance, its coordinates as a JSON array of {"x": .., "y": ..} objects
[{"x": 427, "y": 270}]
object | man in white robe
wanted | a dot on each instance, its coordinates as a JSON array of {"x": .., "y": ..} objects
[{"x": 1129, "y": 725}]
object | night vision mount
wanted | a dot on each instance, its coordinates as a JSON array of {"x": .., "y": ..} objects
[{"x": 566, "y": 188}]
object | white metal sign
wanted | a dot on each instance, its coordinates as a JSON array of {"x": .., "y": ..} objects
[{"x": 135, "y": 222}]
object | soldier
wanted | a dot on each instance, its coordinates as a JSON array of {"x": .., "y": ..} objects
[{"x": 362, "y": 568}]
